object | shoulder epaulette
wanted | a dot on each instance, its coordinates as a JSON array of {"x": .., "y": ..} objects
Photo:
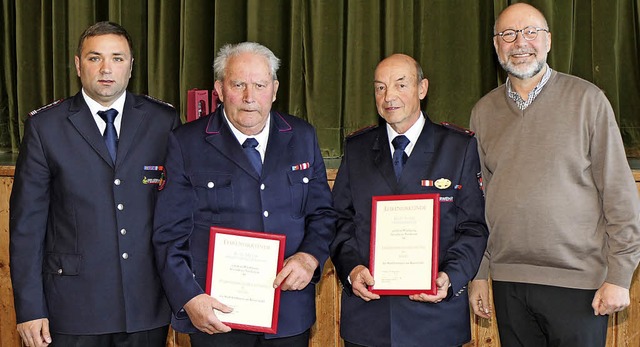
[
  {"x": 45, "y": 107},
  {"x": 457, "y": 128},
  {"x": 161, "y": 102},
  {"x": 363, "y": 130}
]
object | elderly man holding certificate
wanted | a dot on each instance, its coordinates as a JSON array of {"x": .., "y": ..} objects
[
  {"x": 411, "y": 230},
  {"x": 245, "y": 186}
]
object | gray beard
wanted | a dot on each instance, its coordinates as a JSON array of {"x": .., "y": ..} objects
[{"x": 530, "y": 72}]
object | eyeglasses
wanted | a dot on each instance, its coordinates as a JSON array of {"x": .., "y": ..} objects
[{"x": 529, "y": 34}]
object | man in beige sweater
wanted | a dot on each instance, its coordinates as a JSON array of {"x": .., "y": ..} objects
[{"x": 561, "y": 203}]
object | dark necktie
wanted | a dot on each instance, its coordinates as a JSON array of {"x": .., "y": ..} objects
[
  {"x": 400, "y": 142},
  {"x": 252, "y": 153},
  {"x": 110, "y": 135}
]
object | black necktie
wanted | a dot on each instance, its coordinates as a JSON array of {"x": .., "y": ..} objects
[
  {"x": 400, "y": 142},
  {"x": 252, "y": 153},
  {"x": 110, "y": 135}
]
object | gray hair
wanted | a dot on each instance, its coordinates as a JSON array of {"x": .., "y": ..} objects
[
  {"x": 229, "y": 50},
  {"x": 419, "y": 73}
]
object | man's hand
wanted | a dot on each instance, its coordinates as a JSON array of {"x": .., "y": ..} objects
[
  {"x": 297, "y": 271},
  {"x": 360, "y": 279},
  {"x": 610, "y": 298},
  {"x": 442, "y": 283},
  {"x": 200, "y": 310},
  {"x": 35, "y": 333},
  {"x": 479, "y": 298}
]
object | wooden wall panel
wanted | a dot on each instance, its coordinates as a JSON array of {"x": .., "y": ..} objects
[
  {"x": 326, "y": 331},
  {"x": 623, "y": 327},
  {"x": 484, "y": 332},
  {"x": 8, "y": 334}
]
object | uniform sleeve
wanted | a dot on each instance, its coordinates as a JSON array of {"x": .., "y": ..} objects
[
  {"x": 29, "y": 206},
  {"x": 483, "y": 270},
  {"x": 463, "y": 257},
  {"x": 344, "y": 252},
  {"x": 173, "y": 224},
  {"x": 320, "y": 216}
]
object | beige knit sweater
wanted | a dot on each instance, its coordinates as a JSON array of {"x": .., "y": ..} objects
[{"x": 561, "y": 202}]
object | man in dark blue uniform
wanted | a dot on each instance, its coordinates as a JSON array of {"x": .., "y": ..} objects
[
  {"x": 82, "y": 208},
  {"x": 438, "y": 159},
  {"x": 212, "y": 181}
]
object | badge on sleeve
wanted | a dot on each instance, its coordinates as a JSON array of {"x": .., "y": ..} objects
[{"x": 163, "y": 179}]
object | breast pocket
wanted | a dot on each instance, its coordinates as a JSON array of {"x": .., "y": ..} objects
[
  {"x": 214, "y": 192},
  {"x": 299, "y": 187}
]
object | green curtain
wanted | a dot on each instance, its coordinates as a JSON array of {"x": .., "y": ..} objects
[{"x": 329, "y": 49}]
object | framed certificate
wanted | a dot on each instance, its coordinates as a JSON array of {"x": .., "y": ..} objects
[
  {"x": 404, "y": 244},
  {"x": 241, "y": 270}
]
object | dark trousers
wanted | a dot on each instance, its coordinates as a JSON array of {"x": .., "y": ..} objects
[
  {"x": 349, "y": 344},
  {"x": 148, "y": 338},
  {"x": 532, "y": 315},
  {"x": 237, "y": 338}
]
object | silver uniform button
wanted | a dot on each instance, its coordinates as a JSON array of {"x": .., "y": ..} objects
[
  {"x": 305, "y": 180},
  {"x": 123, "y": 231},
  {"x": 262, "y": 186},
  {"x": 59, "y": 271},
  {"x": 117, "y": 181},
  {"x": 266, "y": 213},
  {"x": 210, "y": 185},
  {"x": 125, "y": 255},
  {"x": 120, "y": 207}
]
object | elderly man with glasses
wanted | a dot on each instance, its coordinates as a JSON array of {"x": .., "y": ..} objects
[{"x": 561, "y": 203}]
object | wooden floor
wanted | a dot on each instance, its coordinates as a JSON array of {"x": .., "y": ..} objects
[{"x": 624, "y": 327}]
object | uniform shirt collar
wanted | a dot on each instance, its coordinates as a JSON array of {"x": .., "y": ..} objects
[
  {"x": 412, "y": 134},
  {"x": 262, "y": 137},
  {"x": 94, "y": 107}
]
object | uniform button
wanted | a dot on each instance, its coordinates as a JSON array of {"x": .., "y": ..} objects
[
  {"x": 262, "y": 186},
  {"x": 59, "y": 271},
  {"x": 125, "y": 255},
  {"x": 266, "y": 213},
  {"x": 116, "y": 181},
  {"x": 123, "y": 231},
  {"x": 305, "y": 180},
  {"x": 211, "y": 185},
  {"x": 120, "y": 207}
]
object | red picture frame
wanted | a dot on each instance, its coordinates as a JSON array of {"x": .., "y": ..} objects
[
  {"x": 400, "y": 230},
  {"x": 242, "y": 243}
]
